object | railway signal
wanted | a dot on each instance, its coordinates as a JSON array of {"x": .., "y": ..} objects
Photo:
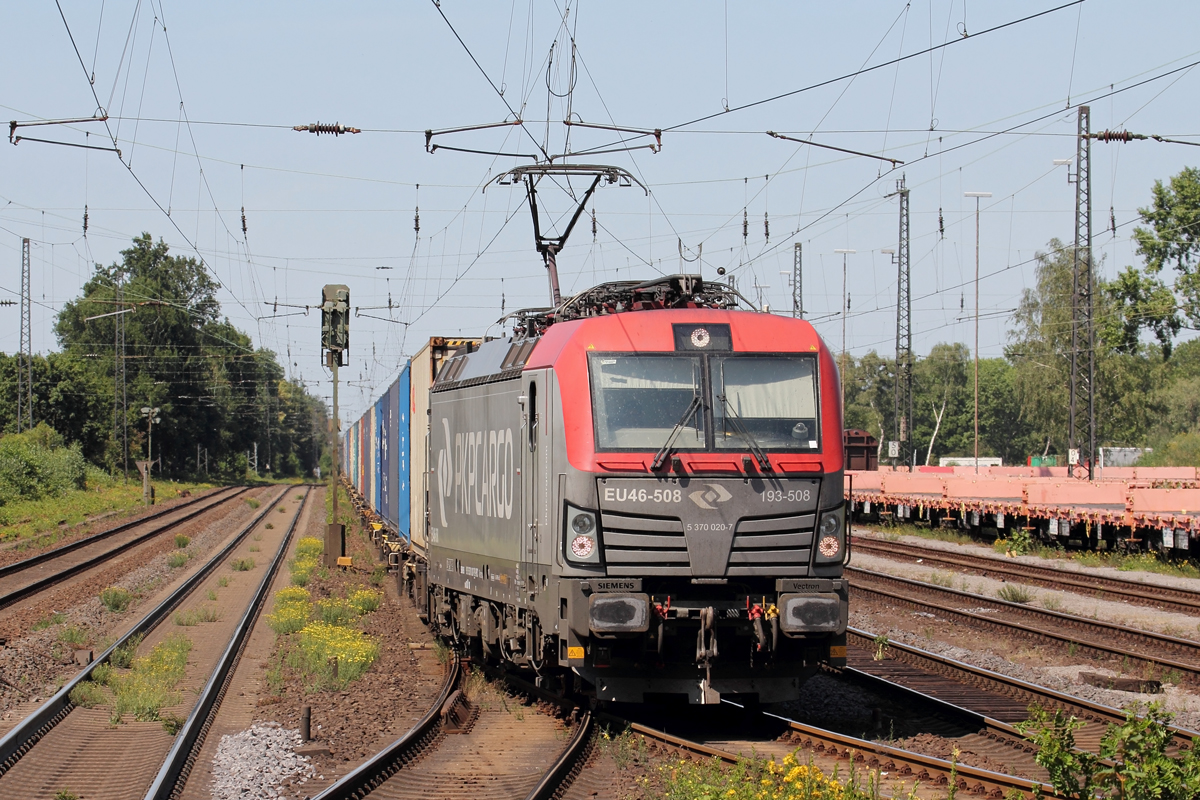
[{"x": 335, "y": 342}]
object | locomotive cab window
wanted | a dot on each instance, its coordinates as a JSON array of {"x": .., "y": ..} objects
[
  {"x": 768, "y": 401},
  {"x": 771, "y": 398},
  {"x": 638, "y": 400}
]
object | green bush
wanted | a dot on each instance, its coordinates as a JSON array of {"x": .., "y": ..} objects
[
  {"x": 36, "y": 464},
  {"x": 182, "y": 541},
  {"x": 253, "y": 502},
  {"x": 177, "y": 559},
  {"x": 122, "y": 657},
  {"x": 116, "y": 599},
  {"x": 243, "y": 564},
  {"x": 88, "y": 695},
  {"x": 1132, "y": 762}
]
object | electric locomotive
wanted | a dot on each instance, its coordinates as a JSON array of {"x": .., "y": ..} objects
[{"x": 638, "y": 492}]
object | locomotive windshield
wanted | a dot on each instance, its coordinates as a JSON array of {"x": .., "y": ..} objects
[{"x": 638, "y": 400}]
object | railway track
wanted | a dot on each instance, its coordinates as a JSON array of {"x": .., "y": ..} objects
[
  {"x": 455, "y": 751},
  {"x": 1164, "y": 597},
  {"x": 826, "y": 746},
  {"x": 1155, "y": 651},
  {"x": 27, "y": 577},
  {"x": 61, "y": 746},
  {"x": 989, "y": 694}
]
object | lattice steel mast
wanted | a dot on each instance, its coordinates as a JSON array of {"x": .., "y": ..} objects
[
  {"x": 1081, "y": 436},
  {"x": 798, "y": 281},
  {"x": 904, "y": 359},
  {"x": 25, "y": 361}
]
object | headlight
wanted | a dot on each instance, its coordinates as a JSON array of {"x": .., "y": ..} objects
[
  {"x": 831, "y": 534},
  {"x": 581, "y": 537}
]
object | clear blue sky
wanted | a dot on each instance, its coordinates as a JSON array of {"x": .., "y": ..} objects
[{"x": 322, "y": 210}]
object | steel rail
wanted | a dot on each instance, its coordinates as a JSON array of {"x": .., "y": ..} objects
[
  {"x": 369, "y": 775},
  {"x": 25, "y": 734},
  {"x": 1006, "y": 685},
  {"x": 564, "y": 770},
  {"x": 893, "y": 760},
  {"x": 1191, "y": 671},
  {"x": 874, "y": 754},
  {"x": 49, "y": 580},
  {"x": 1132, "y": 591},
  {"x": 177, "y": 767}
]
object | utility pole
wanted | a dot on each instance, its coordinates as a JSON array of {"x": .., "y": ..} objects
[
  {"x": 151, "y": 415},
  {"x": 904, "y": 358},
  {"x": 25, "y": 361},
  {"x": 120, "y": 401},
  {"x": 798, "y": 281},
  {"x": 977, "y": 196},
  {"x": 335, "y": 342},
  {"x": 1081, "y": 435},
  {"x": 252, "y": 458},
  {"x": 845, "y": 303}
]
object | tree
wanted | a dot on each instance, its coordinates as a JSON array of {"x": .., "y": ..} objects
[
  {"x": 214, "y": 389},
  {"x": 1139, "y": 301},
  {"x": 1173, "y": 238}
]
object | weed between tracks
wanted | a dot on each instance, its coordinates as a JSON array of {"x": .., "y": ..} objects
[
  {"x": 145, "y": 689},
  {"x": 55, "y": 618},
  {"x": 194, "y": 616},
  {"x": 753, "y": 779},
  {"x": 116, "y": 599},
  {"x": 307, "y": 560},
  {"x": 322, "y": 640},
  {"x": 1012, "y": 593}
]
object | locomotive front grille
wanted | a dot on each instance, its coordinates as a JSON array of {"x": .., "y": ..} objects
[
  {"x": 642, "y": 545},
  {"x": 774, "y": 546},
  {"x": 635, "y": 545}
]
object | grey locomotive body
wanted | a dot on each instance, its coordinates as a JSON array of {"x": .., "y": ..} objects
[{"x": 699, "y": 566}]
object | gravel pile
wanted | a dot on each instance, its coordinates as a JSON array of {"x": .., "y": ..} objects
[{"x": 253, "y": 763}]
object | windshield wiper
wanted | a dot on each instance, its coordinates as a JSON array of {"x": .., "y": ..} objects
[
  {"x": 665, "y": 451},
  {"x": 740, "y": 430}
]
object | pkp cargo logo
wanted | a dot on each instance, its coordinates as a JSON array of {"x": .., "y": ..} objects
[{"x": 715, "y": 493}]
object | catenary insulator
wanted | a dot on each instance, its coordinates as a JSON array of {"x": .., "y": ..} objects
[{"x": 337, "y": 128}]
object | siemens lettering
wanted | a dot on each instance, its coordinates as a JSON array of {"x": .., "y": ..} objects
[{"x": 477, "y": 469}]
